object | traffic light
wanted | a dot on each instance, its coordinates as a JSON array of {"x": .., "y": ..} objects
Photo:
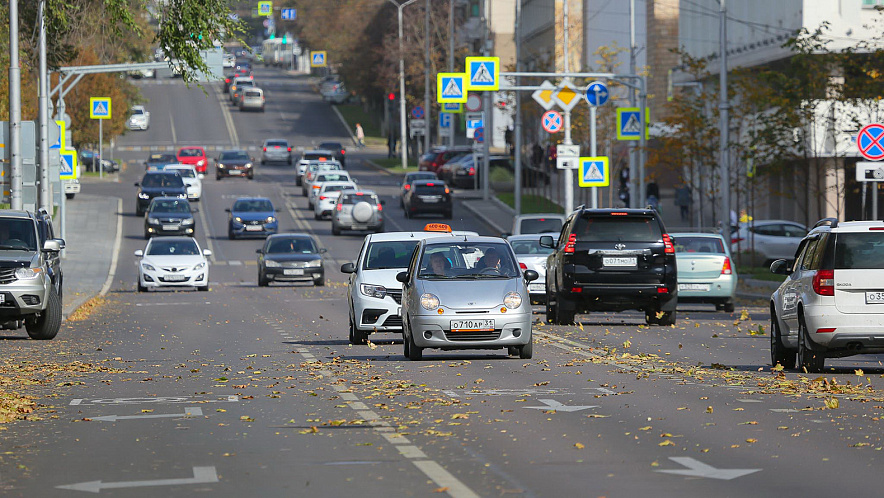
[
  {"x": 391, "y": 96},
  {"x": 284, "y": 39},
  {"x": 272, "y": 36}
]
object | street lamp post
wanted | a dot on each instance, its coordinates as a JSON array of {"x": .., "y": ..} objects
[{"x": 402, "y": 145}]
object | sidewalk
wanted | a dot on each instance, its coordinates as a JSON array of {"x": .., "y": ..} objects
[{"x": 91, "y": 244}]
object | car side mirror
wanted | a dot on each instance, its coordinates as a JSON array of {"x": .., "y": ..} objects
[
  {"x": 194, "y": 210},
  {"x": 548, "y": 242},
  {"x": 322, "y": 250},
  {"x": 780, "y": 267},
  {"x": 139, "y": 253},
  {"x": 52, "y": 245},
  {"x": 227, "y": 210},
  {"x": 530, "y": 275},
  {"x": 259, "y": 251},
  {"x": 137, "y": 184},
  {"x": 348, "y": 268},
  {"x": 402, "y": 276},
  {"x": 61, "y": 242},
  {"x": 505, "y": 235},
  {"x": 207, "y": 252},
  {"x": 383, "y": 203}
]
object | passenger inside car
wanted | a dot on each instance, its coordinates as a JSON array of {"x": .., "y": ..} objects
[
  {"x": 491, "y": 259},
  {"x": 439, "y": 265}
]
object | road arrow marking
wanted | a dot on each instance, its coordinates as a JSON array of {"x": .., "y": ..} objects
[
  {"x": 188, "y": 412},
  {"x": 552, "y": 404},
  {"x": 201, "y": 475},
  {"x": 696, "y": 468}
]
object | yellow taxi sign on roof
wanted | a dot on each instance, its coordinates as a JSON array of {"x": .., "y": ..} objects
[{"x": 437, "y": 227}]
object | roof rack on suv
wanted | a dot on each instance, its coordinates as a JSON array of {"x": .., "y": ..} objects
[{"x": 829, "y": 222}]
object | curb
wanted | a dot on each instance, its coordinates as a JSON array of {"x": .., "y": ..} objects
[{"x": 344, "y": 123}]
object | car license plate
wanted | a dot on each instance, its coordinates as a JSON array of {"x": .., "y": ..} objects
[
  {"x": 234, "y": 171},
  {"x": 176, "y": 278},
  {"x": 292, "y": 272},
  {"x": 876, "y": 297},
  {"x": 536, "y": 287},
  {"x": 472, "y": 325},
  {"x": 619, "y": 262},
  {"x": 170, "y": 227},
  {"x": 694, "y": 287},
  {"x": 430, "y": 199},
  {"x": 254, "y": 228}
]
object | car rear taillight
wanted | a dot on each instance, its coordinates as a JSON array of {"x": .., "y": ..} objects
[
  {"x": 736, "y": 238},
  {"x": 265, "y": 149},
  {"x": 380, "y": 208},
  {"x": 472, "y": 171},
  {"x": 407, "y": 186},
  {"x": 668, "y": 248},
  {"x": 876, "y": 228},
  {"x": 523, "y": 266},
  {"x": 824, "y": 282},
  {"x": 275, "y": 146},
  {"x": 321, "y": 197},
  {"x": 447, "y": 191},
  {"x": 343, "y": 152},
  {"x": 662, "y": 290},
  {"x": 572, "y": 241},
  {"x": 289, "y": 149},
  {"x": 726, "y": 267},
  {"x": 339, "y": 207},
  {"x": 827, "y": 330},
  {"x": 435, "y": 164}
]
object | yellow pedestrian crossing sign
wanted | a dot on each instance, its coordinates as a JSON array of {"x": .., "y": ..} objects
[
  {"x": 594, "y": 172},
  {"x": 265, "y": 8},
  {"x": 318, "y": 59},
  {"x": 629, "y": 123},
  {"x": 450, "y": 88},
  {"x": 100, "y": 107},
  {"x": 483, "y": 73}
]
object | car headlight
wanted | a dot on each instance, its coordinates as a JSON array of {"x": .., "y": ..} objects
[
  {"x": 200, "y": 266},
  {"x": 221, "y": 166},
  {"x": 378, "y": 291},
  {"x": 316, "y": 263},
  {"x": 142, "y": 195},
  {"x": 148, "y": 267},
  {"x": 27, "y": 273},
  {"x": 248, "y": 165},
  {"x": 201, "y": 162},
  {"x": 153, "y": 221},
  {"x": 429, "y": 302},
  {"x": 270, "y": 219},
  {"x": 237, "y": 219},
  {"x": 187, "y": 221},
  {"x": 271, "y": 264},
  {"x": 512, "y": 300},
  {"x": 182, "y": 196}
]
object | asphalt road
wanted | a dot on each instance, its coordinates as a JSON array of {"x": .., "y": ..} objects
[{"x": 248, "y": 391}]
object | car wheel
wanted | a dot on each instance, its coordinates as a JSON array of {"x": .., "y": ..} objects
[
  {"x": 262, "y": 281},
  {"x": 316, "y": 216},
  {"x": 298, "y": 181},
  {"x": 263, "y": 161},
  {"x": 335, "y": 230},
  {"x": 146, "y": 236},
  {"x": 667, "y": 318},
  {"x": 69, "y": 196},
  {"x": 204, "y": 288},
  {"x": 380, "y": 229},
  {"x": 779, "y": 354},
  {"x": 319, "y": 282},
  {"x": 411, "y": 351},
  {"x": 550, "y": 308},
  {"x": 46, "y": 325},
  {"x": 141, "y": 288},
  {"x": 139, "y": 212},
  {"x": 218, "y": 178},
  {"x": 527, "y": 351},
  {"x": 447, "y": 215},
  {"x": 728, "y": 306},
  {"x": 230, "y": 234},
  {"x": 564, "y": 316},
  {"x": 357, "y": 336},
  {"x": 512, "y": 350},
  {"x": 251, "y": 176},
  {"x": 290, "y": 161},
  {"x": 808, "y": 359}
]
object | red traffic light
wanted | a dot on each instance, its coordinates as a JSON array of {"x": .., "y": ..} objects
[{"x": 391, "y": 96}]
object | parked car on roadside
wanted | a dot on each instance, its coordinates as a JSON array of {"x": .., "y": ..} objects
[
  {"x": 437, "y": 156},
  {"x": 768, "y": 239}
]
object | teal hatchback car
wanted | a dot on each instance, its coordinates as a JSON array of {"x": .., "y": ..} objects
[{"x": 706, "y": 272}]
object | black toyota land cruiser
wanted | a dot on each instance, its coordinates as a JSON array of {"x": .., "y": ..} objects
[{"x": 611, "y": 260}]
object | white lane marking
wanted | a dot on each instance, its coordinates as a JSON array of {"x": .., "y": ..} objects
[
  {"x": 783, "y": 410},
  {"x": 116, "y": 252},
  {"x": 409, "y": 451},
  {"x": 153, "y": 400},
  {"x": 358, "y": 405},
  {"x": 228, "y": 119},
  {"x": 76, "y": 402},
  {"x": 396, "y": 438},
  {"x": 696, "y": 468},
  {"x": 744, "y": 400},
  {"x": 206, "y": 231},
  {"x": 552, "y": 404},
  {"x": 172, "y": 127},
  {"x": 444, "y": 479},
  {"x": 188, "y": 412},
  {"x": 348, "y": 397},
  {"x": 450, "y": 393},
  {"x": 201, "y": 475},
  {"x": 234, "y": 263},
  {"x": 569, "y": 346},
  {"x": 171, "y": 304}
]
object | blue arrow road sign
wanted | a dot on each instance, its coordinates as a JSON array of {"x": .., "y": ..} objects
[
  {"x": 596, "y": 93},
  {"x": 289, "y": 14},
  {"x": 594, "y": 172},
  {"x": 444, "y": 120}
]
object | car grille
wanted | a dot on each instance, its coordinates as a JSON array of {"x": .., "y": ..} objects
[
  {"x": 252, "y": 222},
  {"x": 174, "y": 269},
  {"x": 178, "y": 281},
  {"x": 396, "y": 295},
  {"x": 169, "y": 220},
  {"x": 473, "y": 336},
  {"x": 7, "y": 275},
  {"x": 294, "y": 264},
  {"x": 393, "y": 321}
]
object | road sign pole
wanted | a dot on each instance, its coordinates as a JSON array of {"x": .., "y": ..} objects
[
  {"x": 100, "y": 143},
  {"x": 592, "y": 152},
  {"x": 874, "y": 201}
]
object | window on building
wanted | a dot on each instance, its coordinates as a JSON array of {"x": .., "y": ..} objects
[
  {"x": 871, "y": 4},
  {"x": 474, "y": 8}
]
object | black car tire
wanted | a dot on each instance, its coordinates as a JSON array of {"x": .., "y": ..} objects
[
  {"x": 412, "y": 352},
  {"x": 808, "y": 359},
  {"x": 527, "y": 351},
  {"x": 139, "y": 211},
  {"x": 141, "y": 288},
  {"x": 316, "y": 216},
  {"x": 357, "y": 336},
  {"x": 550, "y": 308},
  {"x": 335, "y": 230},
  {"x": 512, "y": 350},
  {"x": 263, "y": 161},
  {"x": 262, "y": 281},
  {"x": 251, "y": 176},
  {"x": 203, "y": 288},
  {"x": 447, "y": 215},
  {"x": 218, "y": 177},
  {"x": 290, "y": 161},
  {"x": 728, "y": 306},
  {"x": 651, "y": 316},
  {"x": 297, "y": 181},
  {"x": 563, "y": 316},
  {"x": 45, "y": 325},
  {"x": 667, "y": 318},
  {"x": 779, "y": 354},
  {"x": 380, "y": 229},
  {"x": 69, "y": 196},
  {"x": 230, "y": 234},
  {"x": 319, "y": 282}
]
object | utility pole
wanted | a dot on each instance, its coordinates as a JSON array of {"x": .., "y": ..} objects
[
  {"x": 723, "y": 107},
  {"x": 486, "y": 108},
  {"x": 451, "y": 61},
  {"x": 634, "y": 194},
  {"x": 45, "y": 201},
  {"x": 569, "y": 174},
  {"x": 403, "y": 147},
  {"x": 427, "y": 113},
  {"x": 517, "y": 125},
  {"x": 15, "y": 185}
]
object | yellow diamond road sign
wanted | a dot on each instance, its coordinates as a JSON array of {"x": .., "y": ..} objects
[
  {"x": 544, "y": 95},
  {"x": 567, "y": 95}
]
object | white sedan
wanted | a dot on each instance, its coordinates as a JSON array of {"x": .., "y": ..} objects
[
  {"x": 193, "y": 181},
  {"x": 173, "y": 262},
  {"x": 139, "y": 119}
]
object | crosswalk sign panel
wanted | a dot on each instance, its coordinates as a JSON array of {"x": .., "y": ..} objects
[
  {"x": 100, "y": 107},
  {"x": 483, "y": 73},
  {"x": 451, "y": 88},
  {"x": 594, "y": 172},
  {"x": 629, "y": 123},
  {"x": 68, "y": 165},
  {"x": 456, "y": 107},
  {"x": 318, "y": 59}
]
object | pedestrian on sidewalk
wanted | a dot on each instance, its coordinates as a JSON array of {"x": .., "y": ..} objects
[
  {"x": 684, "y": 199},
  {"x": 360, "y": 136},
  {"x": 391, "y": 144}
]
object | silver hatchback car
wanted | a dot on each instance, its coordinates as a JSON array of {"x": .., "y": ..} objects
[
  {"x": 831, "y": 304},
  {"x": 450, "y": 303},
  {"x": 276, "y": 150}
]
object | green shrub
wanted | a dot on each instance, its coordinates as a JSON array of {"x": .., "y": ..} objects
[{"x": 499, "y": 174}]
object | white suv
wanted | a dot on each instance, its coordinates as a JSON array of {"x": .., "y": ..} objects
[{"x": 832, "y": 302}]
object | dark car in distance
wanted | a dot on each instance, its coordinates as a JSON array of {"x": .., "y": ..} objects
[
  {"x": 338, "y": 151},
  {"x": 159, "y": 160},
  {"x": 405, "y": 186},
  {"x": 234, "y": 163},
  {"x": 169, "y": 216},
  {"x": 290, "y": 257},
  {"x": 428, "y": 197},
  {"x": 158, "y": 184}
]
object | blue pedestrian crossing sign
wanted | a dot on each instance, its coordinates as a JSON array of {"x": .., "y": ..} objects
[
  {"x": 318, "y": 59},
  {"x": 100, "y": 107},
  {"x": 451, "y": 88},
  {"x": 594, "y": 172},
  {"x": 265, "y": 8},
  {"x": 483, "y": 73},
  {"x": 68, "y": 165},
  {"x": 456, "y": 108},
  {"x": 629, "y": 123}
]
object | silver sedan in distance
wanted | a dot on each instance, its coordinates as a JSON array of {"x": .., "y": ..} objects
[{"x": 466, "y": 293}]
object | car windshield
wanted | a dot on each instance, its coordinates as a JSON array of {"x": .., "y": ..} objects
[
  {"x": 162, "y": 180},
  {"x": 242, "y": 83},
  {"x": 252, "y": 93},
  {"x": 707, "y": 245},
  {"x": 859, "y": 251},
  {"x": 277, "y": 143},
  {"x": 184, "y": 172},
  {"x": 389, "y": 254},
  {"x": 162, "y": 158},
  {"x": 170, "y": 206},
  {"x": 331, "y": 146},
  {"x": 359, "y": 197},
  {"x": 467, "y": 260},
  {"x": 233, "y": 156},
  {"x": 291, "y": 245},
  {"x": 17, "y": 235},
  {"x": 315, "y": 156},
  {"x": 540, "y": 225},
  {"x": 419, "y": 176},
  {"x": 530, "y": 248},
  {"x": 252, "y": 205},
  {"x": 337, "y": 188},
  {"x": 173, "y": 248},
  {"x": 137, "y": 111},
  {"x": 332, "y": 177},
  {"x": 430, "y": 189},
  {"x": 190, "y": 153},
  {"x": 607, "y": 228}
]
